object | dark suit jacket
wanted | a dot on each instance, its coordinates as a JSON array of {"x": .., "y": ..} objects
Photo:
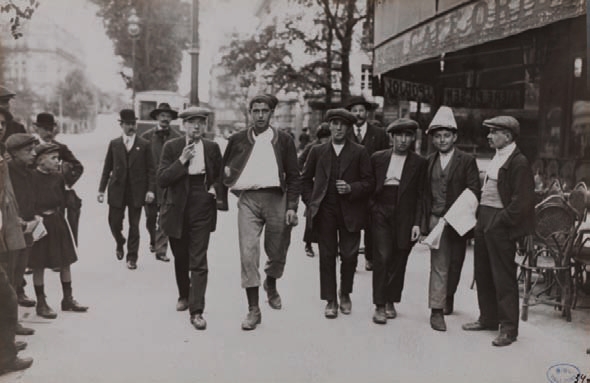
[
  {"x": 72, "y": 168},
  {"x": 463, "y": 174},
  {"x": 115, "y": 172},
  {"x": 156, "y": 145},
  {"x": 12, "y": 127},
  {"x": 516, "y": 186},
  {"x": 375, "y": 139},
  {"x": 173, "y": 178},
  {"x": 355, "y": 169},
  {"x": 408, "y": 208},
  {"x": 22, "y": 183}
]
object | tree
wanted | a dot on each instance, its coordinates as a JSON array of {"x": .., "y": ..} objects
[
  {"x": 165, "y": 33},
  {"x": 18, "y": 10},
  {"x": 77, "y": 96}
]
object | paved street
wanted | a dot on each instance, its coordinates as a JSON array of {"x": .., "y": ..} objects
[{"x": 132, "y": 332}]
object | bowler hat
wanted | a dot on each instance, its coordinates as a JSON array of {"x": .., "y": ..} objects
[
  {"x": 323, "y": 130},
  {"x": 45, "y": 148},
  {"x": 194, "y": 111},
  {"x": 504, "y": 122},
  {"x": 18, "y": 141},
  {"x": 163, "y": 107},
  {"x": 268, "y": 99},
  {"x": 443, "y": 119},
  {"x": 127, "y": 115},
  {"x": 6, "y": 113},
  {"x": 402, "y": 125},
  {"x": 6, "y": 93},
  {"x": 45, "y": 121},
  {"x": 359, "y": 100},
  {"x": 341, "y": 114}
]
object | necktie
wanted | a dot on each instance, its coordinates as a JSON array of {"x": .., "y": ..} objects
[
  {"x": 359, "y": 137},
  {"x": 127, "y": 143}
]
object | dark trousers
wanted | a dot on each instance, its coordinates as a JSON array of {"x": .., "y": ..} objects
[
  {"x": 73, "y": 209},
  {"x": 389, "y": 261},
  {"x": 16, "y": 264},
  {"x": 8, "y": 315},
  {"x": 368, "y": 240},
  {"x": 332, "y": 236},
  {"x": 116, "y": 216},
  {"x": 158, "y": 239},
  {"x": 495, "y": 272},
  {"x": 190, "y": 250}
]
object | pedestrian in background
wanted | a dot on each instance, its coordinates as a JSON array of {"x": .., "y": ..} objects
[
  {"x": 395, "y": 215},
  {"x": 260, "y": 166},
  {"x": 506, "y": 213},
  {"x": 128, "y": 171},
  {"x": 56, "y": 250},
  {"x": 373, "y": 138},
  {"x": 190, "y": 168},
  {"x": 336, "y": 184},
  {"x": 450, "y": 171},
  {"x": 322, "y": 136},
  {"x": 157, "y": 137}
]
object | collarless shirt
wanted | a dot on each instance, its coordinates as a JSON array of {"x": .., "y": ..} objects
[
  {"x": 197, "y": 163},
  {"x": 128, "y": 141},
  {"x": 395, "y": 169},
  {"x": 337, "y": 148},
  {"x": 445, "y": 158}
]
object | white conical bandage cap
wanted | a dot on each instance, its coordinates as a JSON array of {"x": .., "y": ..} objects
[{"x": 443, "y": 119}]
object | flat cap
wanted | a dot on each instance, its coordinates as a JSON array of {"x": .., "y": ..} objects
[
  {"x": 18, "y": 141},
  {"x": 342, "y": 114},
  {"x": 402, "y": 125},
  {"x": 268, "y": 99},
  {"x": 45, "y": 148},
  {"x": 194, "y": 111},
  {"x": 359, "y": 100},
  {"x": 323, "y": 130},
  {"x": 6, "y": 93},
  {"x": 503, "y": 122}
]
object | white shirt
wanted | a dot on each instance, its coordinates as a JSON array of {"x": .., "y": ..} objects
[
  {"x": 363, "y": 130},
  {"x": 395, "y": 169},
  {"x": 261, "y": 169},
  {"x": 445, "y": 158},
  {"x": 128, "y": 141},
  {"x": 498, "y": 160},
  {"x": 197, "y": 163},
  {"x": 337, "y": 148}
]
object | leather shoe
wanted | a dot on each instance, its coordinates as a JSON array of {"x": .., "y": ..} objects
[
  {"x": 16, "y": 364},
  {"x": 449, "y": 303},
  {"x": 478, "y": 326},
  {"x": 20, "y": 345},
  {"x": 503, "y": 340},
  {"x": 70, "y": 304},
  {"x": 182, "y": 304},
  {"x": 380, "y": 317},
  {"x": 253, "y": 319},
  {"x": 21, "y": 330},
  {"x": 331, "y": 310},
  {"x": 162, "y": 257},
  {"x": 198, "y": 322},
  {"x": 390, "y": 310},
  {"x": 274, "y": 299},
  {"x": 131, "y": 265},
  {"x": 437, "y": 321},
  {"x": 44, "y": 311},
  {"x": 25, "y": 301},
  {"x": 309, "y": 250},
  {"x": 152, "y": 248},
  {"x": 120, "y": 254},
  {"x": 345, "y": 304},
  {"x": 369, "y": 265}
]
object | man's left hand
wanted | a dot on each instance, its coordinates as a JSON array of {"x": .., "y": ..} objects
[
  {"x": 415, "y": 233},
  {"x": 149, "y": 197},
  {"x": 291, "y": 218}
]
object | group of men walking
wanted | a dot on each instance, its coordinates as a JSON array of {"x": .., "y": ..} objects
[{"x": 361, "y": 177}]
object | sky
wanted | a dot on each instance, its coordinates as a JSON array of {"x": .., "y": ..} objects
[{"x": 218, "y": 18}]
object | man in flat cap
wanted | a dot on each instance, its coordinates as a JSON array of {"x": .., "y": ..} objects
[
  {"x": 395, "y": 210},
  {"x": 336, "y": 184},
  {"x": 323, "y": 135},
  {"x": 157, "y": 137},
  {"x": 260, "y": 166},
  {"x": 450, "y": 171},
  {"x": 189, "y": 172},
  {"x": 128, "y": 171},
  {"x": 71, "y": 168},
  {"x": 21, "y": 147},
  {"x": 505, "y": 214},
  {"x": 12, "y": 126},
  {"x": 373, "y": 138}
]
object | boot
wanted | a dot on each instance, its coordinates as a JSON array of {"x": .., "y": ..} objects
[
  {"x": 25, "y": 301},
  {"x": 437, "y": 320},
  {"x": 21, "y": 330},
  {"x": 70, "y": 304},
  {"x": 253, "y": 318},
  {"x": 43, "y": 309}
]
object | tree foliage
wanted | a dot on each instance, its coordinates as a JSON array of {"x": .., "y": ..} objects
[
  {"x": 77, "y": 96},
  {"x": 17, "y": 11},
  {"x": 165, "y": 33}
]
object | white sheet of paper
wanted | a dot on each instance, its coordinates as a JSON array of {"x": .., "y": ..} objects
[
  {"x": 461, "y": 215},
  {"x": 433, "y": 238}
]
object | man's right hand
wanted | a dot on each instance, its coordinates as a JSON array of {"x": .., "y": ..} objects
[
  {"x": 187, "y": 153},
  {"x": 100, "y": 197}
]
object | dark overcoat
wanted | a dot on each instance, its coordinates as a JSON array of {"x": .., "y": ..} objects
[{"x": 157, "y": 142}]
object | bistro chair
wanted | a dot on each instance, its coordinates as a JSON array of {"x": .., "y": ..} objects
[
  {"x": 580, "y": 201},
  {"x": 545, "y": 257}
]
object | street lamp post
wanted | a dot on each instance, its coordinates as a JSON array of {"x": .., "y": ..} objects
[{"x": 133, "y": 29}]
